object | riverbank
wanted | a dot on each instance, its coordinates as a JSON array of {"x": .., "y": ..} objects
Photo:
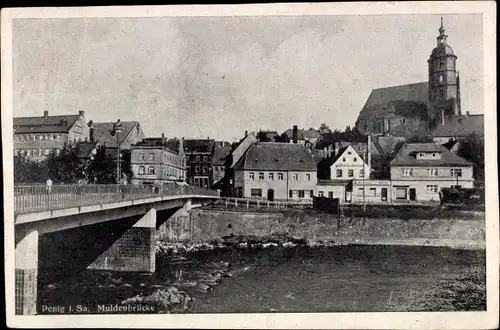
[{"x": 447, "y": 228}]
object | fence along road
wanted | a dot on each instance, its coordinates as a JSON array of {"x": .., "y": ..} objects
[{"x": 29, "y": 199}]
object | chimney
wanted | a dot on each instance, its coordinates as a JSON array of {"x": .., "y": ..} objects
[
  {"x": 91, "y": 131},
  {"x": 45, "y": 114},
  {"x": 246, "y": 133},
  {"x": 82, "y": 113},
  {"x": 181, "y": 146},
  {"x": 295, "y": 136},
  {"x": 162, "y": 138}
]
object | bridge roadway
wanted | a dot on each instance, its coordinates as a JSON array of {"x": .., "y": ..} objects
[{"x": 64, "y": 229}]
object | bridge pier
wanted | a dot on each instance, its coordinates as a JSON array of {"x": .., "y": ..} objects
[
  {"x": 26, "y": 273},
  {"x": 134, "y": 251}
]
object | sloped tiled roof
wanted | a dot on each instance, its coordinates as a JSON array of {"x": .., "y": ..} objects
[
  {"x": 103, "y": 132},
  {"x": 461, "y": 126},
  {"x": 49, "y": 124},
  {"x": 84, "y": 149},
  {"x": 417, "y": 92},
  {"x": 311, "y": 134},
  {"x": 242, "y": 147},
  {"x": 273, "y": 156},
  {"x": 406, "y": 156},
  {"x": 220, "y": 153},
  {"x": 199, "y": 145}
]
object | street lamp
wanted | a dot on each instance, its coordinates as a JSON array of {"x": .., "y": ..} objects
[{"x": 117, "y": 128}]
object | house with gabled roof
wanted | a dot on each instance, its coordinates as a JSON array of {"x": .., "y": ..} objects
[
  {"x": 420, "y": 170},
  {"x": 131, "y": 133},
  {"x": 457, "y": 128},
  {"x": 36, "y": 137},
  {"x": 275, "y": 171}
]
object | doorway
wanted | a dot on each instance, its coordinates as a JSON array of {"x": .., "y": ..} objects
[
  {"x": 413, "y": 194},
  {"x": 270, "y": 195},
  {"x": 383, "y": 194}
]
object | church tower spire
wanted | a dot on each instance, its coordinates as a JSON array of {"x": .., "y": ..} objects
[{"x": 441, "y": 39}]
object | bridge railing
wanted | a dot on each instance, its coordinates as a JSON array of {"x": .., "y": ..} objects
[{"x": 42, "y": 198}]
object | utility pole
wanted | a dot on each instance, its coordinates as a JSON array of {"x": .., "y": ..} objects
[{"x": 117, "y": 128}]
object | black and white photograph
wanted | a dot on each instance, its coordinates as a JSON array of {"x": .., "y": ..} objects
[{"x": 325, "y": 162}]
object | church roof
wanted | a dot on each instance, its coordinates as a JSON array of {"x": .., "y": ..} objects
[{"x": 417, "y": 92}]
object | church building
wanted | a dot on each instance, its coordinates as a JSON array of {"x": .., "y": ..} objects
[{"x": 416, "y": 108}]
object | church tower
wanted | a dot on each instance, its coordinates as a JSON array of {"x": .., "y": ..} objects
[{"x": 444, "y": 88}]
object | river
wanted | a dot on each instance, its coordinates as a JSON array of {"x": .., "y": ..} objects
[{"x": 284, "y": 279}]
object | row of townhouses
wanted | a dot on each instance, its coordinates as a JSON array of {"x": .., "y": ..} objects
[{"x": 293, "y": 171}]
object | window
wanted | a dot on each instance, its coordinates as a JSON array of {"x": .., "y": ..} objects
[
  {"x": 197, "y": 159},
  {"x": 361, "y": 173},
  {"x": 320, "y": 193},
  {"x": 361, "y": 190},
  {"x": 355, "y": 159},
  {"x": 350, "y": 173},
  {"x": 434, "y": 155},
  {"x": 407, "y": 172},
  {"x": 151, "y": 156},
  {"x": 311, "y": 193},
  {"x": 256, "y": 192},
  {"x": 151, "y": 170},
  {"x": 343, "y": 159},
  {"x": 401, "y": 193},
  {"x": 271, "y": 176},
  {"x": 339, "y": 173},
  {"x": 349, "y": 153},
  {"x": 308, "y": 177},
  {"x": 35, "y": 152},
  {"x": 290, "y": 193},
  {"x": 141, "y": 170},
  {"x": 47, "y": 152},
  {"x": 432, "y": 172},
  {"x": 280, "y": 176},
  {"x": 295, "y": 177},
  {"x": 261, "y": 176},
  {"x": 301, "y": 194},
  {"x": 205, "y": 170},
  {"x": 251, "y": 175},
  {"x": 456, "y": 172},
  {"x": 28, "y": 152},
  {"x": 371, "y": 192},
  {"x": 330, "y": 194},
  {"x": 204, "y": 158},
  {"x": 197, "y": 169},
  {"x": 141, "y": 156},
  {"x": 431, "y": 188}
]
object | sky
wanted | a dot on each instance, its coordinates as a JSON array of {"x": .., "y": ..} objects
[{"x": 217, "y": 77}]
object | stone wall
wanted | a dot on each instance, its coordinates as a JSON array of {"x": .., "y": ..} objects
[{"x": 206, "y": 225}]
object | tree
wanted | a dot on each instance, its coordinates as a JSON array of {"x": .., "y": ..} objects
[
  {"x": 102, "y": 168},
  {"x": 28, "y": 171},
  {"x": 419, "y": 138},
  {"x": 472, "y": 149},
  {"x": 67, "y": 167},
  {"x": 324, "y": 129},
  {"x": 262, "y": 137},
  {"x": 282, "y": 138}
]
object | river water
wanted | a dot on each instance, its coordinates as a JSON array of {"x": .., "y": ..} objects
[{"x": 279, "y": 279}]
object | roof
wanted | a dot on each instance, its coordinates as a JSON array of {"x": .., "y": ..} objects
[
  {"x": 311, "y": 134},
  {"x": 461, "y": 125},
  {"x": 103, "y": 132},
  {"x": 242, "y": 147},
  {"x": 442, "y": 50},
  {"x": 84, "y": 149},
  {"x": 406, "y": 156},
  {"x": 341, "y": 151},
  {"x": 220, "y": 153},
  {"x": 275, "y": 156},
  {"x": 359, "y": 147},
  {"x": 199, "y": 145},
  {"x": 417, "y": 92},
  {"x": 42, "y": 124},
  {"x": 172, "y": 144}
]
